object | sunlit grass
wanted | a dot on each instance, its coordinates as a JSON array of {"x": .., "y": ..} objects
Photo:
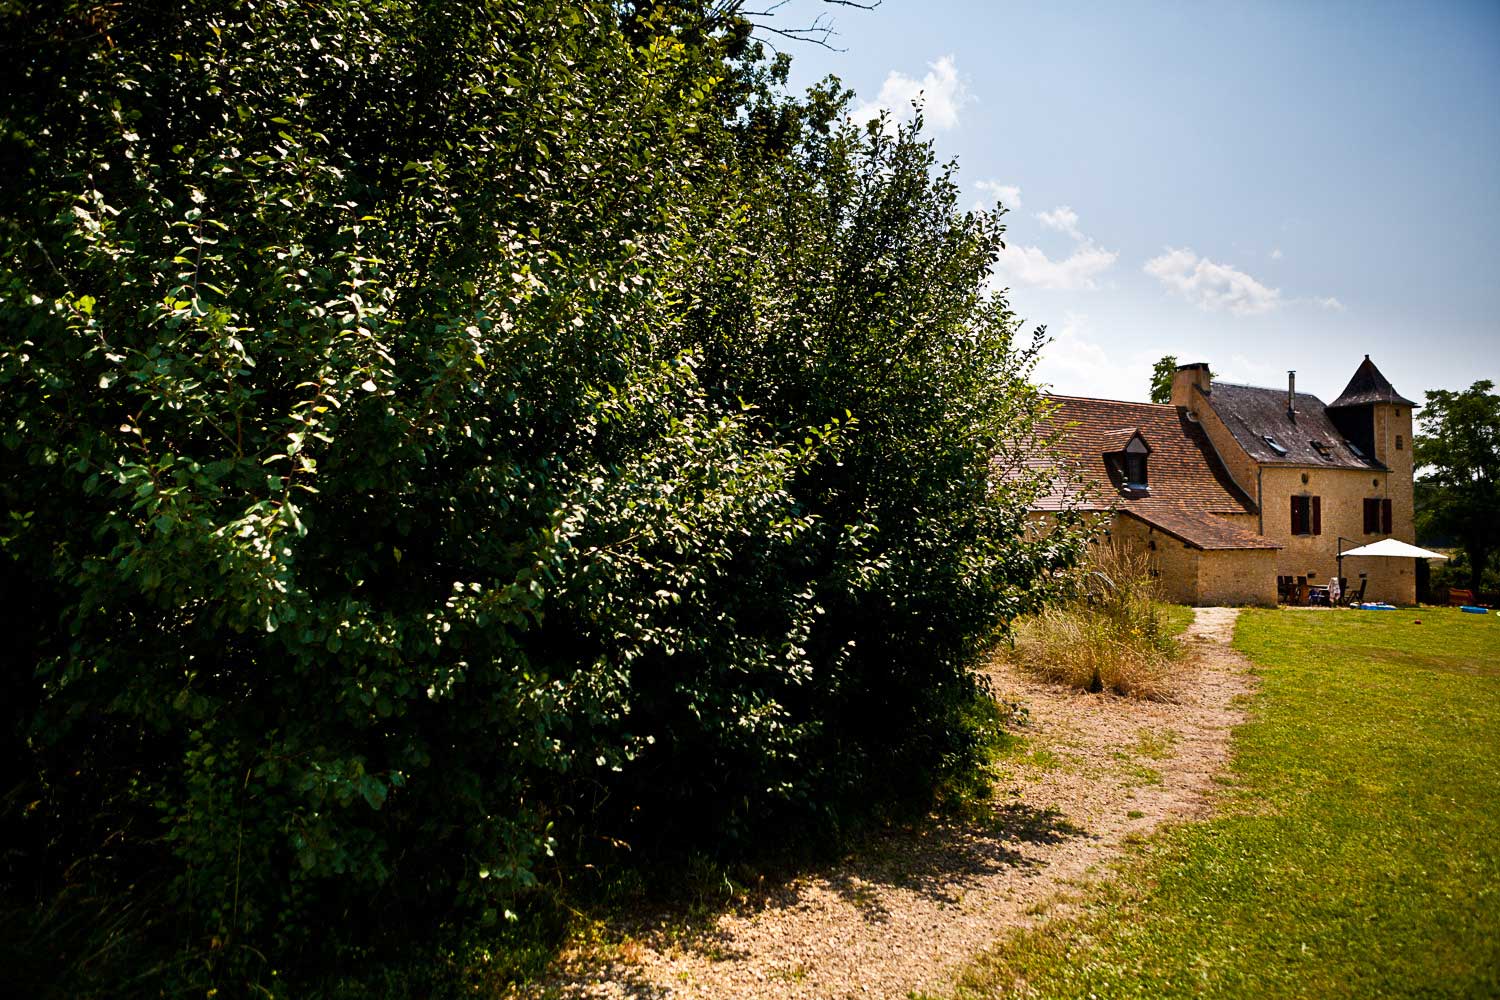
[{"x": 1357, "y": 853}]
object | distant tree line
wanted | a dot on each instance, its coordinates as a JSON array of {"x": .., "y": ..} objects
[
  {"x": 1457, "y": 452},
  {"x": 446, "y": 446}
]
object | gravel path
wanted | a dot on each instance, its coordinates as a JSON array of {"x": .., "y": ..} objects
[{"x": 906, "y": 914}]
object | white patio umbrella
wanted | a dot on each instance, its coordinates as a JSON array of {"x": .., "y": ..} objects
[
  {"x": 1389, "y": 547},
  {"x": 1392, "y": 547}
]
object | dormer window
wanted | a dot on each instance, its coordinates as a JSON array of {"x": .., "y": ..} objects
[
  {"x": 1274, "y": 445},
  {"x": 1125, "y": 453}
]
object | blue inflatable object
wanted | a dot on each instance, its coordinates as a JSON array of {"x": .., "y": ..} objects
[
  {"x": 1377, "y": 607},
  {"x": 1470, "y": 609}
]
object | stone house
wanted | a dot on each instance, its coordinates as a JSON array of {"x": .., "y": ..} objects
[{"x": 1241, "y": 492}]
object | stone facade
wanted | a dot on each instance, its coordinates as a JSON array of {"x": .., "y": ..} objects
[
  {"x": 1208, "y": 577},
  {"x": 1241, "y": 576},
  {"x": 1245, "y": 488},
  {"x": 1342, "y": 494},
  {"x": 1379, "y": 469}
]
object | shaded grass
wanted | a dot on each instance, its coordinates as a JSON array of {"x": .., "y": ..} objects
[{"x": 1357, "y": 853}]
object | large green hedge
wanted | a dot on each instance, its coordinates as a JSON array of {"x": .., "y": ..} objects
[{"x": 440, "y": 439}]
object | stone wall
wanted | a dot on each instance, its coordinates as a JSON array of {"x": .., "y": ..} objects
[
  {"x": 1343, "y": 492},
  {"x": 1392, "y": 428},
  {"x": 1237, "y": 576},
  {"x": 1176, "y": 563},
  {"x": 1188, "y": 575}
]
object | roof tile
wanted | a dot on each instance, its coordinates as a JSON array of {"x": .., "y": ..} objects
[
  {"x": 1198, "y": 528},
  {"x": 1253, "y": 414},
  {"x": 1183, "y": 468},
  {"x": 1369, "y": 386}
]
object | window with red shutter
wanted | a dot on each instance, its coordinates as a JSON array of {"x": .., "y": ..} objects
[
  {"x": 1299, "y": 515},
  {"x": 1317, "y": 515},
  {"x": 1372, "y": 516},
  {"x": 1385, "y": 517}
]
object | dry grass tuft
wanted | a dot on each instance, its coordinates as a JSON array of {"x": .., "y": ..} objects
[{"x": 1109, "y": 636}]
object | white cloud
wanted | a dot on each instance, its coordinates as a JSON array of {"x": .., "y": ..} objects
[
  {"x": 1080, "y": 361},
  {"x": 1063, "y": 219},
  {"x": 1241, "y": 369},
  {"x": 1212, "y": 286},
  {"x": 1276, "y": 254},
  {"x": 1030, "y": 265},
  {"x": 1008, "y": 195},
  {"x": 942, "y": 93},
  {"x": 1331, "y": 303},
  {"x": 1072, "y": 364}
]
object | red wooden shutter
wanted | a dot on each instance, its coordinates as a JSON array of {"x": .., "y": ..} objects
[
  {"x": 1385, "y": 517},
  {"x": 1297, "y": 527},
  {"x": 1317, "y": 512},
  {"x": 1369, "y": 511}
]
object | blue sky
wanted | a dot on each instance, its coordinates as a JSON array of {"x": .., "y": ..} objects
[{"x": 1259, "y": 186}]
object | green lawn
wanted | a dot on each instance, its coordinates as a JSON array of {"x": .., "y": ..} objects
[{"x": 1357, "y": 853}]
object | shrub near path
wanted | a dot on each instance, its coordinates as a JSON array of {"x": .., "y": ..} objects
[
  {"x": 1358, "y": 854},
  {"x": 1089, "y": 774}
]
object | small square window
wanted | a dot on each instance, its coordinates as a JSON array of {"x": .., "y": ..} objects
[{"x": 1399, "y": 442}]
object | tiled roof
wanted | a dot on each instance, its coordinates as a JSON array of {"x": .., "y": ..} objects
[
  {"x": 1198, "y": 528},
  {"x": 1113, "y": 441},
  {"x": 1369, "y": 386},
  {"x": 1183, "y": 470},
  {"x": 1253, "y": 414}
]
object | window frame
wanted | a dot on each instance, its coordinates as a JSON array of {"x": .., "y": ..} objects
[
  {"x": 1377, "y": 513},
  {"x": 1307, "y": 514}
]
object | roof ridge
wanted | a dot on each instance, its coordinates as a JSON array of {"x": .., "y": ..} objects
[
  {"x": 1101, "y": 399},
  {"x": 1279, "y": 390}
]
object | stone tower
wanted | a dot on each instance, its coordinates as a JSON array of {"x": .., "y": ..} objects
[{"x": 1378, "y": 420}]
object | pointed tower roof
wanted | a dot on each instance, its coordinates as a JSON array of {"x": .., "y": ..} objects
[{"x": 1369, "y": 386}]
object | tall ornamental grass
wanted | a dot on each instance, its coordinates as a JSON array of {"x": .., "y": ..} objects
[{"x": 1109, "y": 635}]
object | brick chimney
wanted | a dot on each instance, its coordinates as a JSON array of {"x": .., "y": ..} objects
[
  {"x": 1291, "y": 396},
  {"x": 1188, "y": 376}
]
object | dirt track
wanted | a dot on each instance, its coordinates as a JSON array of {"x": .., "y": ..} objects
[{"x": 906, "y": 914}]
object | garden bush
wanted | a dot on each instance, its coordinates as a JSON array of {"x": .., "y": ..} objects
[{"x": 448, "y": 444}]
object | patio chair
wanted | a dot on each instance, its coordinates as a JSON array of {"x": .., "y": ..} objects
[{"x": 1358, "y": 596}]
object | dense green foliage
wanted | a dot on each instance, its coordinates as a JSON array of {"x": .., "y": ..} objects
[
  {"x": 1458, "y": 455},
  {"x": 1162, "y": 374},
  {"x": 1357, "y": 850},
  {"x": 447, "y": 443}
]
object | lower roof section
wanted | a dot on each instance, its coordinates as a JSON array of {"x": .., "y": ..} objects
[{"x": 1197, "y": 528}]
